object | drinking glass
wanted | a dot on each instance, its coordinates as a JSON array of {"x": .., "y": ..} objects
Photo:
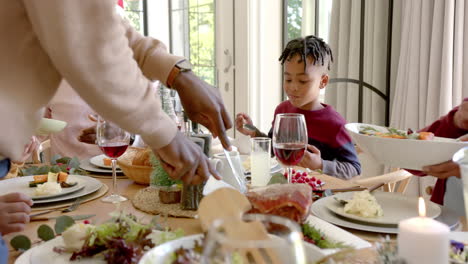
[
  {"x": 113, "y": 141},
  {"x": 289, "y": 140},
  {"x": 260, "y": 161},
  {"x": 284, "y": 242}
]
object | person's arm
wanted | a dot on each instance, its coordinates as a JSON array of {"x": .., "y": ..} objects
[
  {"x": 345, "y": 166},
  {"x": 86, "y": 42}
]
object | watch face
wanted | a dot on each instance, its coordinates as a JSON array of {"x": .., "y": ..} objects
[{"x": 184, "y": 65}]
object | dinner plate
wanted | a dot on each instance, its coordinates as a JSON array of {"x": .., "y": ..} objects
[
  {"x": 395, "y": 206},
  {"x": 404, "y": 153},
  {"x": 274, "y": 164},
  {"x": 320, "y": 210},
  {"x": 21, "y": 184},
  {"x": 160, "y": 254},
  {"x": 99, "y": 162},
  {"x": 87, "y": 166},
  {"x": 48, "y": 126},
  {"x": 90, "y": 185}
]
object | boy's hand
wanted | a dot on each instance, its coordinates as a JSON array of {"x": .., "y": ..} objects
[
  {"x": 14, "y": 212},
  {"x": 311, "y": 160},
  {"x": 241, "y": 119}
]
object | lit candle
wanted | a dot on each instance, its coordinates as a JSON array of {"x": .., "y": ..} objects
[{"x": 423, "y": 240}]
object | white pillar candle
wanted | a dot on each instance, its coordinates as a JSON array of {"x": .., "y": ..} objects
[{"x": 423, "y": 240}]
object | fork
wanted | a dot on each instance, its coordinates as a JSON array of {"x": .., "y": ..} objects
[{"x": 71, "y": 208}]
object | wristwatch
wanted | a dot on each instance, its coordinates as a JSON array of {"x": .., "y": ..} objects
[{"x": 181, "y": 66}]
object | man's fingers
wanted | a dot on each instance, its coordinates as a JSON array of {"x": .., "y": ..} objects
[
  {"x": 21, "y": 218},
  {"x": 17, "y": 207},
  {"x": 92, "y": 117},
  {"x": 226, "y": 119},
  {"x": 16, "y": 198}
]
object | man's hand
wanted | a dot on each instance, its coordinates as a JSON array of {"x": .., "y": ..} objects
[
  {"x": 14, "y": 212},
  {"x": 88, "y": 135},
  {"x": 241, "y": 119},
  {"x": 28, "y": 149},
  {"x": 183, "y": 159},
  {"x": 203, "y": 104},
  {"x": 461, "y": 116},
  {"x": 311, "y": 160},
  {"x": 443, "y": 170}
]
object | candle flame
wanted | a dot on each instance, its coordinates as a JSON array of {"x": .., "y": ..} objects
[{"x": 422, "y": 207}]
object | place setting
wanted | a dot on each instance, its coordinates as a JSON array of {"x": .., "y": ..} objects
[{"x": 101, "y": 165}]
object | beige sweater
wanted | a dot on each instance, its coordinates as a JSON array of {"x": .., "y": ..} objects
[{"x": 101, "y": 56}]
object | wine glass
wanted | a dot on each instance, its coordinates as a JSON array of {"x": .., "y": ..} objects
[
  {"x": 284, "y": 242},
  {"x": 289, "y": 140},
  {"x": 113, "y": 141}
]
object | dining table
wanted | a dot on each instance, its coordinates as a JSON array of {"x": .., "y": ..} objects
[{"x": 190, "y": 226}]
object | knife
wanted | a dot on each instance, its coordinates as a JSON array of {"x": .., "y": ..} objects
[
  {"x": 74, "y": 217},
  {"x": 330, "y": 192},
  {"x": 237, "y": 176}
]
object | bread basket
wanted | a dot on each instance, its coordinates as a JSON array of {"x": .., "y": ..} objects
[{"x": 139, "y": 174}]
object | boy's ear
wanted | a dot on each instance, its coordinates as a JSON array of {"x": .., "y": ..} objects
[{"x": 324, "y": 81}]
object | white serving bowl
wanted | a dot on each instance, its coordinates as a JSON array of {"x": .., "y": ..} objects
[
  {"x": 404, "y": 153},
  {"x": 48, "y": 126}
]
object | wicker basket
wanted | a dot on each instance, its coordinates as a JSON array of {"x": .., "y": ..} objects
[{"x": 139, "y": 174}]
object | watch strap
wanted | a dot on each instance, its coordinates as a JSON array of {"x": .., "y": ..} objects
[{"x": 172, "y": 76}]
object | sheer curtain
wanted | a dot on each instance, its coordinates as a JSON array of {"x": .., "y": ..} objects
[
  {"x": 344, "y": 40},
  {"x": 433, "y": 65}
]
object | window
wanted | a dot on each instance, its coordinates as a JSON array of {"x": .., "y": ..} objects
[
  {"x": 135, "y": 13},
  {"x": 294, "y": 16},
  {"x": 193, "y": 35}
]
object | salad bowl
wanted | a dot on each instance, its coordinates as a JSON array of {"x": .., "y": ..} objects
[{"x": 405, "y": 153}]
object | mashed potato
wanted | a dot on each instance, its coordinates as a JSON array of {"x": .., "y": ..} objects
[
  {"x": 48, "y": 188},
  {"x": 74, "y": 237},
  {"x": 363, "y": 204}
]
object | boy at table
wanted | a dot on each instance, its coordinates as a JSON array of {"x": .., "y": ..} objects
[{"x": 306, "y": 64}]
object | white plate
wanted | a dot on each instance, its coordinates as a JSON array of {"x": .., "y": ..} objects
[
  {"x": 395, "y": 206},
  {"x": 48, "y": 126},
  {"x": 159, "y": 254},
  {"x": 404, "y": 153},
  {"x": 87, "y": 166},
  {"x": 336, "y": 234},
  {"x": 44, "y": 253},
  {"x": 274, "y": 164},
  {"x": 459, "y": 236},
  {"x": 21, "y": 184},
  {"x": 320, "y": 210},
  {"x": 98, "y": 161},
  {"x": 90, "y": 185}
]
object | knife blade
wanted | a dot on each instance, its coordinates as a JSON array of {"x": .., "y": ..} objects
[
  {"x": 74, "y": 217},
  {"x": 237, "y": 176}
]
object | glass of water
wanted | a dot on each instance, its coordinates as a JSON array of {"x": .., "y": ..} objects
[{"x": 260, "y": 161}]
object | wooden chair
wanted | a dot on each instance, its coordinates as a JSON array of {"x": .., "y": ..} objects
[
  {"x": 396, "y": 181},
  {"x": 42, "y": 153}
]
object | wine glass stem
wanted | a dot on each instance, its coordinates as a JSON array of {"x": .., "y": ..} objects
[
  {"x": 114, "y": 176},
  {"x": 289, "y": 170}
]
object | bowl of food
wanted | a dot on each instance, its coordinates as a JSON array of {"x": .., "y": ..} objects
[
  {"x": 403, "y": 148},
  {"x": 135, "y": 164}
]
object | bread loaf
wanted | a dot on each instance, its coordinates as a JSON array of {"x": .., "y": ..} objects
[{"x": 142, "y": 157}]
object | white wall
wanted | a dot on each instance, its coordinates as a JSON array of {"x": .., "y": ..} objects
[{"x": 258, "y": 42}]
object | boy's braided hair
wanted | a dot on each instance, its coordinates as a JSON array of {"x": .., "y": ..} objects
[{"x": 308, "y": 46}]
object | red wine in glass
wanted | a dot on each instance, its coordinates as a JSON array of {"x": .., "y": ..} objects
[
  {"x": 114, "y": 150},
  {"x": 289, "y": 139},
  {"x": 289, "y": 153},
  {"x": 113, "y": 142}
]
